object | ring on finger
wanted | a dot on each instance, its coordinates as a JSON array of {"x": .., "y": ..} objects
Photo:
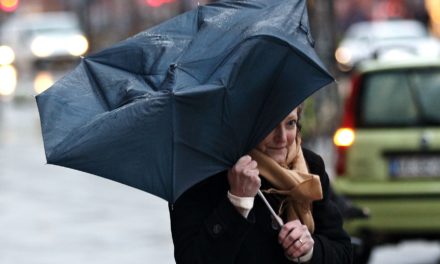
[{"x": 301, "y": 242}]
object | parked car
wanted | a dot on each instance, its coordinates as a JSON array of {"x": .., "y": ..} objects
[
  {"x": 368, "y": 39},
  {"x": 42, "y": 38},
  {"x": 389, "y": 150}
]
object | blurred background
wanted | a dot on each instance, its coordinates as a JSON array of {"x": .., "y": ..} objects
[{"x": 383, "y": 156}]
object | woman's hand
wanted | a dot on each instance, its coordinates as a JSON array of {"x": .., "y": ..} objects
[
  {"x": 243, "y": 178},
  {"x": 295, "y": 239}
]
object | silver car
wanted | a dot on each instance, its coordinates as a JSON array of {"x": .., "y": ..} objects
[
  {"x": 366, "y": 40},
  {"x": 44, "y": 37}
]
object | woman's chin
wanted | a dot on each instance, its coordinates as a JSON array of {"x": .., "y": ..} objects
[{"x": 278, "y": 157}]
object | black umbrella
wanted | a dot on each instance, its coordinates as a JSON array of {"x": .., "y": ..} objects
[{"x": 183, "y": 100}]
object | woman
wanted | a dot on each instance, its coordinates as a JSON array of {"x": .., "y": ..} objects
[{"x": 220, "y": 220}]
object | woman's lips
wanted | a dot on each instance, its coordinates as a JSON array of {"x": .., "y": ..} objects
[{"x": 276, "y": 149}]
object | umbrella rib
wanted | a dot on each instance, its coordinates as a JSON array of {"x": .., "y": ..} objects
[
  {"x": 225, "y": 162},
  {"x": 81, "y": 134},
  {"x": 277, "y": 39},
  {"x": 99, "y": 93}
]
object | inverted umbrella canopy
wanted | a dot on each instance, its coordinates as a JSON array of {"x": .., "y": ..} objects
[{"x": 184, "y": 100}]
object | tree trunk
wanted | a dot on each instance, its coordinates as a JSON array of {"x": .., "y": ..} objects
[{"x": 326, "y": 102}]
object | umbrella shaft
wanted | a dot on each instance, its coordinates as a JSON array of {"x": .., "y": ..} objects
[{"x": 277, "y": 218}]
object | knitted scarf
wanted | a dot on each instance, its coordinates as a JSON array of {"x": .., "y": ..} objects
[{"x": 293, "y": 181}]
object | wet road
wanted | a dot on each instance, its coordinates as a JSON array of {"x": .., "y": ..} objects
[{"x": 50, "y": 214}]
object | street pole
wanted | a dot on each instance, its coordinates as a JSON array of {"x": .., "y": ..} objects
[
  {"x": 322, "y": 22},
  {"x": 326, "y": 101}
]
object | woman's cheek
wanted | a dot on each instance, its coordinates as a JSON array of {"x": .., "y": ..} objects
[{"x": 291, "y": 138}]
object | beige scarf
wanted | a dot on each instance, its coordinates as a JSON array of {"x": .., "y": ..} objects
[{"x": 293, "y": 181}]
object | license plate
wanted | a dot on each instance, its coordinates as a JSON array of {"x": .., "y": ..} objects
[{"x": 415, "y": 167}]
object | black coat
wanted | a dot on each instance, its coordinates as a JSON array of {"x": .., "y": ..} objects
[{"x": 206, "y": 227}]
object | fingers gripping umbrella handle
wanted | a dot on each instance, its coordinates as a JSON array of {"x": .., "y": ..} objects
[{"x": 277, "y": 218}]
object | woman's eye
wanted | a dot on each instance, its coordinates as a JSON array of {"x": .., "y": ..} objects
[{"x": 292, "y": 123}]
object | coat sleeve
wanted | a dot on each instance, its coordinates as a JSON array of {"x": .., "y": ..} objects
[
  {"x": 207, "y": 228},
  {"x": 332, "y": 243}
]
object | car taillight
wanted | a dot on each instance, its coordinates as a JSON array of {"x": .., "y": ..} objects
[
  {"x": 341, "y": 160},
  {"x": 345, "y": 136},
  {"x": 343, "y": 139}
]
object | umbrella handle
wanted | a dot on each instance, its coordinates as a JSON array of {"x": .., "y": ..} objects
[{"x": 277, "y": 218}]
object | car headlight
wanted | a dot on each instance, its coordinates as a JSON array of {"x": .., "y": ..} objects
[
  {"x": 8, "y": 80},
  {"x": 343, "y": 55},
  {"x": 41, "y": 47},
  {"x": 7, "y": 55},
  {"x": 78, "y": 45},
  {"x": 43, "y": 80}
]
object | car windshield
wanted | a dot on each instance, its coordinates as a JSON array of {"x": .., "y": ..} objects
[
  {"x": 400, "y": 98},
  {"x": 378, "y": 31},
  {"x": 394, "y": 31},
  {"x": 53, "y": 31}
]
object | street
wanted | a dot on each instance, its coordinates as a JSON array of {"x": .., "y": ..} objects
[{"x": 50, "y": 214}]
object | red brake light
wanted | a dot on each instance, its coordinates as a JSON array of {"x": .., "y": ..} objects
[
  {"x": 345, "y": 136},
  {"x": 350, "y": 104},
  {"x": 9, "y": 5},
  {"x": 158, "y": 3},
  {"x": 341, "y": 160}
]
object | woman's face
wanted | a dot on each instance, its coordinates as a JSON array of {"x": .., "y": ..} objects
[{"x": 277, "y": 143}]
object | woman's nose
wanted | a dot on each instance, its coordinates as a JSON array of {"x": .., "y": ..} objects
[{"x": 280, "y": 134}]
